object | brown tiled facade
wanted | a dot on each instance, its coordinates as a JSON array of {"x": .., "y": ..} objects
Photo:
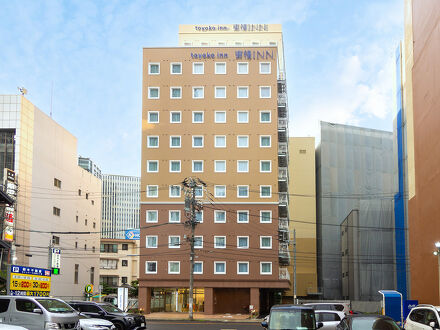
[{"x": 211, "y": 113}]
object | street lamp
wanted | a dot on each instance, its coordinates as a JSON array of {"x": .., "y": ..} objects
[{"x": 437, "y": 253}]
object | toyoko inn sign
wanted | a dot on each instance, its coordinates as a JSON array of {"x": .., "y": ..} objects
[
  {"x": 239, "y": 55},
  {"x": 233, "y": 28}
]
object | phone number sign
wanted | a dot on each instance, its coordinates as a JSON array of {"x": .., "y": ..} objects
[{"x": 29, "y": 281}]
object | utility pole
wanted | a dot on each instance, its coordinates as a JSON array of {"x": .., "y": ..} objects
[
  {"x": 294, "y": 266},
  {"x": 191, "y": 206}
]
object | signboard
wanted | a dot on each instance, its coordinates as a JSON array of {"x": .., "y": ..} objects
[
  {"x": 55, "y": 261},
  {"x": 28, "y": 281},
  {"x": 133, "y": 234},
  {"x": 408, "y": 305},
  {"x": 122, "y": 298},
  {"x": 88, "y": 288}
]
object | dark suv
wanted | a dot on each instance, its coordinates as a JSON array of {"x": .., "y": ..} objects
[{"x": 121, "y": 320}]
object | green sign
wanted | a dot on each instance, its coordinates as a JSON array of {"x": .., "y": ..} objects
[{"x": 88, "y": 288}]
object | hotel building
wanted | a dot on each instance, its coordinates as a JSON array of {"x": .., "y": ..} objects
[{"x": 219, "y": 114}]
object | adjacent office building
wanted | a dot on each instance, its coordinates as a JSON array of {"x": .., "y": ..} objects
[{"x": 90, "y": 166}]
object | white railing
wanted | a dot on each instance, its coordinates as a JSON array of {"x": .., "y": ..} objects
[
  {"x": 282, "y": 148},
  {"x": 282, "y": 173},
  {"x": 282, "y": 123},
  {"x": 283, "y": 198},
  {"x": 284, "y": 273},
  {"x": 283, "y": 223}
]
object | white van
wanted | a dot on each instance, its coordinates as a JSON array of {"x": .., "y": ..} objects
[{"x": 37, "y": 313}]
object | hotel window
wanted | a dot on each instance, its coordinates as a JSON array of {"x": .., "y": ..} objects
[
  {"x": 265, "y": 216},
  {"x": 265, "y": 68},
  {"x": 265, "y": 166},
  {"x": 220, "y": 166},
  {"x": 198, "y": 242},
  {"x": 243, "y": 216},
  {"x": 198, "y": 68},
  {"x": 151, "y": 216},
  {"x": 265, "y": 141},
  {"x": 242, "y": 141},
  {"x": 198, "y": 267},
  {"x": 153, "y": 166},
  {"x": 265, "y": 268},
  {"x": 219, "y": 267},
  {"x": 220, "y": 191},
  {"x": 151, "y": 242},
  {"x": 176, "y": 68},
  {"x": 153, "y": 68},
  {"x": 150, "y": 267},
  {"x": 220, "y": 141},
  {"x": 175, "y": 142},
  {"x": 220, "y": 68},
  {"x": 175, "y": 117},
  {"x": 199, "y": 216},
  {"x": 265, "y": 92},
  {"x": 197, "y": 117},
  {"x": 174, "y": 242},
  {"x": 242, "y": 191},
  {"x": 220, "y": 242},
  {"x": 242, "y": 117},
  {"x": 242, "y": 267},
  {"x": 174, "y": 216},
  {"x": 56, "y": 211},
  {"x": 197, "y": 166},
  {"x": 173, "y": 267},
  {"x": 153, "y": 142},
  {"x": 197, "y": 141},
  {"x": 175, "y": 92},
  {"x": 153, "y": 92},
  {"x": 175, "y": 166},
  {"x": 242, "y": 242},
  {"x": 57, "y": 183},
  {"x": 265, "y": 117},
  {"x": 242, "y": 68},
  {"x": 153, "y": 117},
  {"x": 242, "y": 166},
  {"x": 198, "y": 191},
  {"x": 242, "y": 92},
  {"x": 265, "y": 191},
  {"x": 152, "y": 191},
  {"x": 220, "y": 216},
  {"x": 220, "y": 92},
  {"x": 220, "y": 117},
  {"x": 174, "y": 191},
  {"x": 198, "y": 92},
  {"x": 265, "y": 242}
]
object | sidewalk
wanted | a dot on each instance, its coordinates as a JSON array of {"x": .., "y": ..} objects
[{"x": 200, "y": 317}]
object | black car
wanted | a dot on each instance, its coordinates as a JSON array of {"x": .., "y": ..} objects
[
  {"x": 121, "y": 320},
  {"x": 291, "y": 317},
  {"x": 367, "y": 322}
]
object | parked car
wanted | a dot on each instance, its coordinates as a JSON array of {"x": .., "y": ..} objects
[
  {"x": 90, "y": 323},
  {"x": 331, "y": 306},
  {"x": 423, "y": 317},
  {"x": 367, "y": 322},
  {"x": 121, "y": 320},
  {"x": 287, "y": 317},
  {"x": 36, "y": 313},
  {"x": 11, "y": 327},
  {"x": 329, "y": 319}
]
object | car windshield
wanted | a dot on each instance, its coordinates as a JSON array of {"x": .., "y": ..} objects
[
  {"x": 55, "y": 306},
  {"x": 292, "y": 320},
  {"x": 110, "y": 308},
  {"x": 373, "y": 323}
]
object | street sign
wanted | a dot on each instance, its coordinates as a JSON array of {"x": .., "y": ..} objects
[
  {"x": 28, "y": 281},
  {"x": 56, "y": 261},
  {"x": 133, "y": 234},
  {"x": 88, "y": 288}
]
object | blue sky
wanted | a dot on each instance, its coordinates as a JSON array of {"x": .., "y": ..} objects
[{"x": 339, "y": 57}]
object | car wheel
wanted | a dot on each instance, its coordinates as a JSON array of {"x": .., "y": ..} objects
[{"x": 119, "y": 325}]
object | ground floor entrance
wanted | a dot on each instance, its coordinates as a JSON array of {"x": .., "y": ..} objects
[{"x": 175, "y": 300}]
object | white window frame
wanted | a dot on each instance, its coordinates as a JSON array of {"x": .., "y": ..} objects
[
  {"x": 171, "y": 67},
  {"x": 261, "y": 165},
  {"x": 157, "y": 190},
  {"x": 215, "y": 141},
  {"x": 149, "y": 118},
  {"x": 149, "y": 93},
  {"x": 261, "y": 190},
  {"x": 169, "y": 216},
  {"x": 180, "y": 141},
  {"x": 148, "y": 141},
  {"x": 198, "y": 63},
  {"x": 192, "y": 166},
  {"x": 261, "y": 140},
  {"x": 238, "y": 166},
  {"x": 270, "y": 92},
  {"x": 198, "y": 188},
  {"x": 146, "y": 241},
  {"x": 201, "y": 212},
  {"x": 238, "y": 117},
  {"x": 201, "y": 246},
  {"x": 171, "y": 93},
  {"x": 217, "y": 64},
  {"x": 270, "y": 67},
  {"x": 238, "y": 216},
  {"x": 270, "y": 116},
  {"x": 238, "y": 92},
  {"x": 238, "y": 268},
  {"x": 149, "y": 68},
  {"x": 171, "y": 117},
  {"x": 215, "y": 191},
  {"x": 238, "y": 137},
  {"x": 265, "y": 247},
  {"x": 203, "y": 92},
  {"x": 261, "y": 267},
  {"x": 198, "y": 136},
  {"x": 215, "y": 92},
  {"x": 171, "y": 188},
  {"x": 152, "y": 211},
  {"x": 180, "y": 166},
  {"x": 146, "y": 267},
  {"x": 238, "y": 191},
  {"x": 219, "y": 212},
  {"x": 151, "y": 162},
  {"x": 169, "y": 268},
  {"x": 215, "y": 117},
  {"x": 238, "y": 242},
  {"x": 173, "y": 246},
  {"x": 247, "y": 67},
  {"x": 215, "y": 267},
  {"x": 261, "y": 216},
  {"x": 215, "y": 166},
  {"x": 201, "y": 263},
  {"x": 193, "y": 117}
]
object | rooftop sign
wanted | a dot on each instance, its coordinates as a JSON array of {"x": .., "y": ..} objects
[{"x": 244, "y": 54}]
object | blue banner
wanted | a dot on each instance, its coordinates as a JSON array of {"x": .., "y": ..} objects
[{"x": 133, "y": 234}]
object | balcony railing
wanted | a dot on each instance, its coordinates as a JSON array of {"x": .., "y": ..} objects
[
  {"x": 284, "y": 273},
  {"x": 283, "y": 173},
  {"x": 283, "y": 198},
  {"x": 283, "y": 148},
  {"x": 284, "y": 254},
  {"x": 282, "y": 99},
  {"x": 283, "y": 223},
  {"x": 283, "y": 123}
]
